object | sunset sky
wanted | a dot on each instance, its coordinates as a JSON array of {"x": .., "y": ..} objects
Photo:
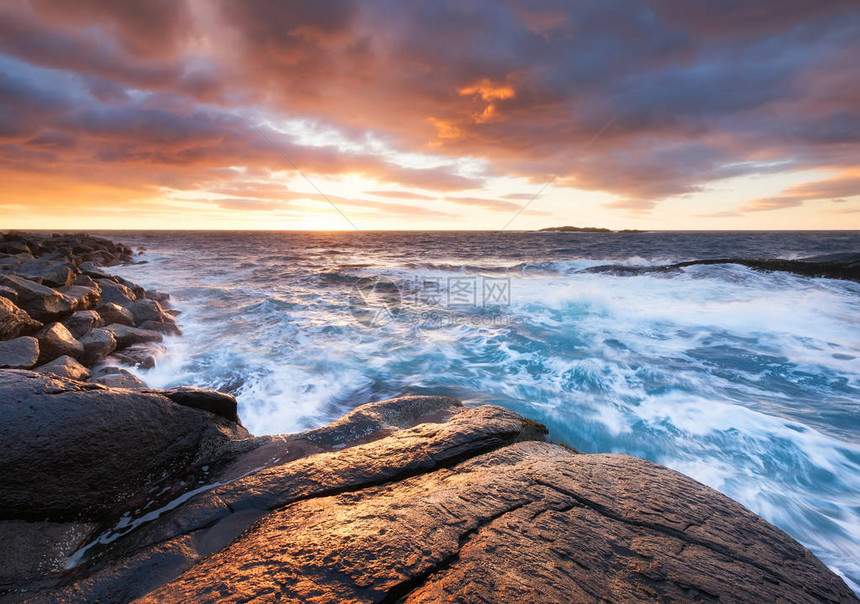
[{"x": 656, "y": 114}]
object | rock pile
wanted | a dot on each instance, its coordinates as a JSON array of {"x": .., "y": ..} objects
[{"x": 61, "y": 314}]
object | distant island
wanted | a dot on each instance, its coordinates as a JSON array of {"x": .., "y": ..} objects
[{"x": 573, "y": 229}]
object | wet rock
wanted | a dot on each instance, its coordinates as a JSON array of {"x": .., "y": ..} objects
[
  {"x": 19, "y": 353},
  {"x": 126, "y": 336},
  {"x": 65, "y": 367},
  {"x": 167, "y": 328},
  {"x": 82, "y": 297},
  {"x": 42, "y": 303},
  {"x": 72, "y": 450},
  {"x": 114, "y": 313},
  {"x": 32, "y": 550},
  {"x": 117, "y": 377},
  {"x": 160, "y": 297},
  {"x": 15, "y": 321},
  {"x": 56, "y": 341},
  {"x": 98, "y": 344},
  {"x": 141, "y": 356},
  {"x": 207, "y": 400}
]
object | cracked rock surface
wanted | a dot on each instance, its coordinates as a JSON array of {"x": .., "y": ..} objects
[{"x": 420, "y": 499}]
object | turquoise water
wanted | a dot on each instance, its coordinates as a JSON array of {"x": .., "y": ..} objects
[{"x": 746, "y": 381}]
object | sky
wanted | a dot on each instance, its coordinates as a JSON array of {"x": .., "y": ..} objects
[{"x": 487, "y": 114}]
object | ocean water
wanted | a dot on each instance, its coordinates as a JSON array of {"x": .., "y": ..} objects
[{"x": 747, "y": 381}]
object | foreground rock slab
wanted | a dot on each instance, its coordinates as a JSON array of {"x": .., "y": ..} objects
[
  {"x": 420, "y": 499},
  {"x": 527, "y": 523}
]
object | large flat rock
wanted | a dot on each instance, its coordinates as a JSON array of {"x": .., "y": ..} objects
[
  {"x": 527, "y": 523},
  {"x": 420, "y": 499}
]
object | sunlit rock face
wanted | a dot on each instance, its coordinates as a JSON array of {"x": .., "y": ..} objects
[{"x": 417, "y": 499}]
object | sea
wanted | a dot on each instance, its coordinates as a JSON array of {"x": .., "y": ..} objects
[{"x": 747, "y": 381}]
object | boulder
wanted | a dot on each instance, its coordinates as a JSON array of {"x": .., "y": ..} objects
[
  {"x": 82, "y": 297},
  {"x": 168, "y": 328},
  {"x": 116, "y": 292},
  {"x": 53, "y": 273},
  {"x": 72, "y": 450},
  {"x": 146, "y": 310},
  {"x": 42, "y": 303},
  {"x": 117, "y": 377},
  {"x": 65, "y": 367},
  {"x": 158, "y": 296},
  {"x": 56, "y": 341},
  {"x": 19, "y": 353},
  {"x": 126, "y": 336},
  {"x": 114, "y": 313},
  {"x": 98, "y": 344},
  {"x": 90, "y": 269},
  {"x": 85, "y": 280},
  {"x": 81, "y": 321},
  {"x": 15, "y": 321}
]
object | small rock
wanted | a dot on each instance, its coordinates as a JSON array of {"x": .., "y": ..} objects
[
  {"x": 15, "y": 321},
  {"x": 97, "y": 344},
  {"x": 114, "y": 313},
  {"x": 65, "y": 367},
  {"x": 20, "y": 353},
  {"x": 81, "y": 322},
  {"x": 56, "y": 341}
]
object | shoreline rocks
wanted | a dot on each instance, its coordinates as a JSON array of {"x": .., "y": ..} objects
[
  {"x": 52, "y": 287},
  {"x": 416, "y": 499}
]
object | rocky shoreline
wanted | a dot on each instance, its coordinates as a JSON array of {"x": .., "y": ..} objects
[
  {"x": 61, "y": 314},
  {"x": 116, "y": 494}
]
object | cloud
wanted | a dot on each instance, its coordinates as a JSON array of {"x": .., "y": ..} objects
[
  {"x": 402, "y": 195},
  {"x": 488, "y": 204},
  {"x": 796, "y": 195},
  {"x": 697, "y": 95}
]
